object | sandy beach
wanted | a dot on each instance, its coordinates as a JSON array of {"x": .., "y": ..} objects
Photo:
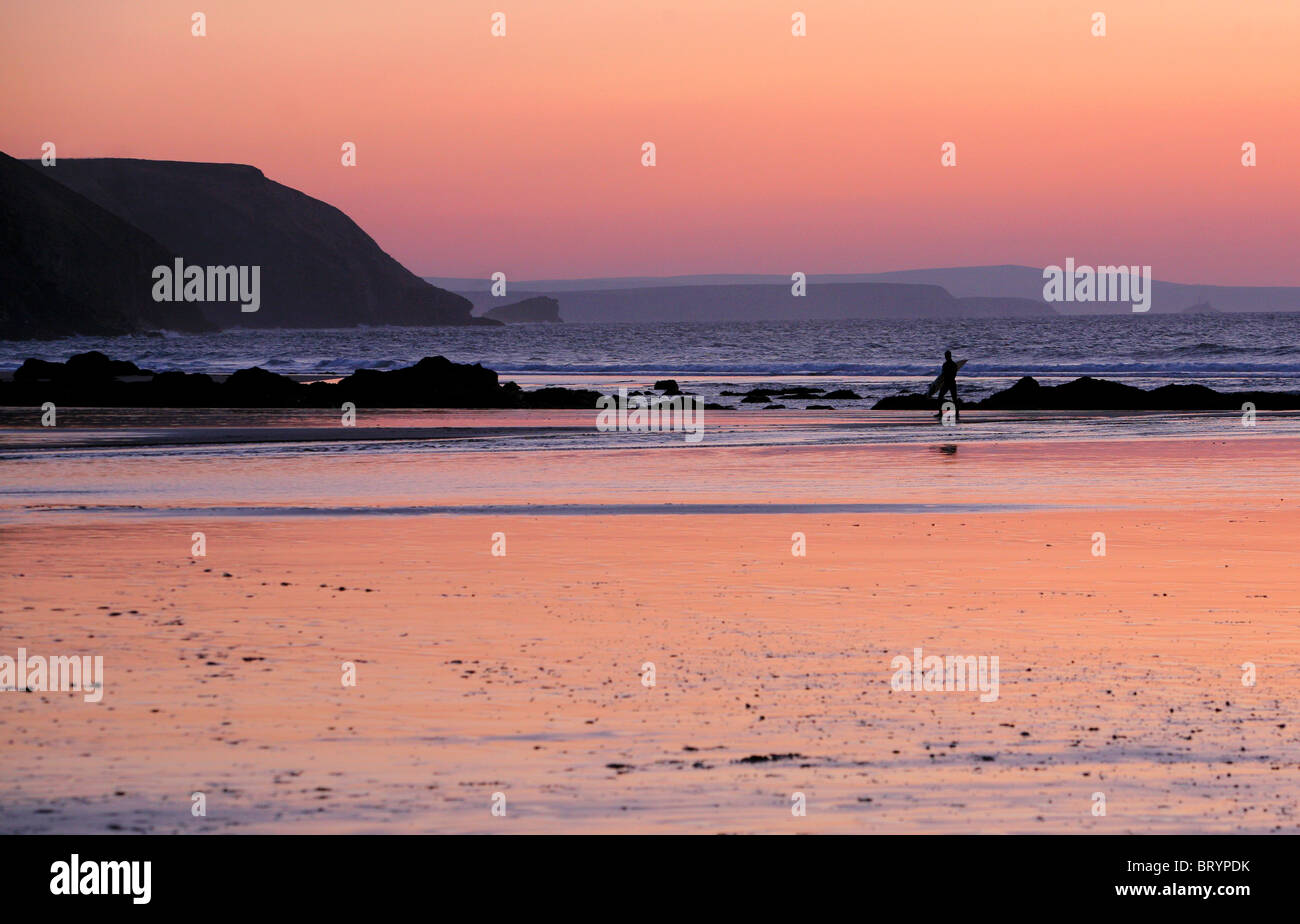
[{"x": 522, "y": 674}]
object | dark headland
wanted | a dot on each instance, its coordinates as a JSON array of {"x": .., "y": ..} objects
[
  {"x": 69, "y": 266},
  {"x": 81, "y": 239},
  {"x": 540, "y": 309}
]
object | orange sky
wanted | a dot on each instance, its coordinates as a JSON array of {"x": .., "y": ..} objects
[{"x": 775, "y": 153}]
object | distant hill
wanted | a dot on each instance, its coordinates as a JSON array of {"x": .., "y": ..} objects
[
  {"x": 537, "y": 309},
  {"x": 318, "y": 268},
  {"x": 1167, "y": 297},
  {"x": 759, "y": 302},
  {"x": 68, "y": 266},
  {"x": 1019, "y": 284}
]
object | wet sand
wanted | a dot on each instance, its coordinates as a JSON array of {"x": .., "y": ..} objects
[{"x": 522, "y": 674}]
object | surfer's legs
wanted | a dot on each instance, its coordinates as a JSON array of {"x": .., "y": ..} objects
[{"x": 950, "y": 388}]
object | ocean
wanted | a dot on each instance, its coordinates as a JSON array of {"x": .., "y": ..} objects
[{"x": 872, "y": 357}]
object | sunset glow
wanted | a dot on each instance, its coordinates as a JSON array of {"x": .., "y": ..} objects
[{"x": 522, "y": 153}]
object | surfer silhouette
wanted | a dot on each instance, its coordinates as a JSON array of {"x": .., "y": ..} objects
[{"x": 946, "y": 383}]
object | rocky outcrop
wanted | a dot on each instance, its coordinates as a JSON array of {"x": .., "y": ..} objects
[
  {"x": 68, "y": 266},
  {"x": 94, "y": 380},
  {"x": 317, "y": 267},
  {"x": 536, "y": 310},
  {"x": 1089, "y": 394}
]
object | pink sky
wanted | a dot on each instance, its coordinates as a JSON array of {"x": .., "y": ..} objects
[{"x": 775, "y": 153}]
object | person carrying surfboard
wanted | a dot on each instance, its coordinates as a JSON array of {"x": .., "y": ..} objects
[{"x": 946, "y": 383}]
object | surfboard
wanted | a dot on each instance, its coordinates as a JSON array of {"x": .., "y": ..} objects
[{"x": 938, "y": 379}]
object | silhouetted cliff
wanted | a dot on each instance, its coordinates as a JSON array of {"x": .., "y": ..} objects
[
  {"x": 318, "y": 268},
  {"x": 68, "y": 266}
]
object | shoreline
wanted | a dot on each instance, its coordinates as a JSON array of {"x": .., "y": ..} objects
[
  {"x": 94, "y": 380},
  {"x": 1114, "y": 467}
]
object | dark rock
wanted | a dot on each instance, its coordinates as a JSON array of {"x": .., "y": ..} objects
[
  {"x": 184, "y": 389},
  {"x": 907, "y": 401},
  {"x": 764, "y": 758},
  {"x": 1082, "y": 394},
  {"x": 433, "y": 382},
  {"x": 257, "y": 387},
  {"x": 1193, "y": 396},
  {"x": 842, "y": 394},
  {"x": 95, "y": 365},
  {"x": 668, "y": 386},
  {"x": 83, "y": 367},
  {"x": 1089, "y": 394},
  {"x": 538, "y": 309},
  {"x": 39, "y": 370}
]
